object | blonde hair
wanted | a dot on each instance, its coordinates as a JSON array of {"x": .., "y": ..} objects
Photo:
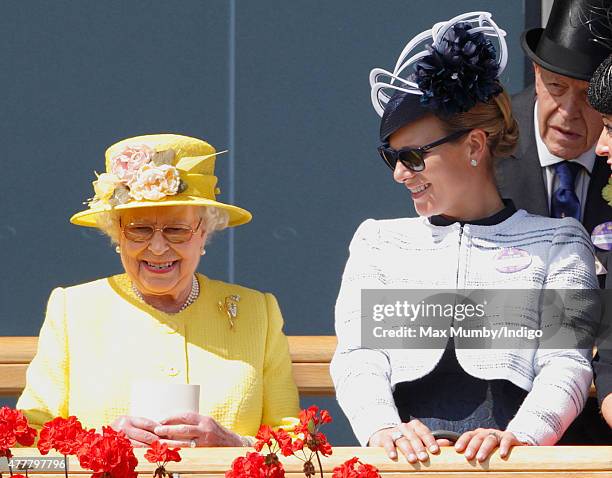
[
  {"x": 493, "y": 117},
  {"x": 213, "y": 218}
]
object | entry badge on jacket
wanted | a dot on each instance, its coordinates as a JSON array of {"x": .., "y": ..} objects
[
  {"x": 602, "y": 236},
  {"x": 602, "y": 239},
  {"x": 512, "y": 259}
]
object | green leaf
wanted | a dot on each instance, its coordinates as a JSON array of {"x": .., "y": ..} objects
[{"x": 607, "y": 192}]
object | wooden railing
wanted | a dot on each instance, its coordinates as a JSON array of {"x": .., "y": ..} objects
[{"x": 524, "y": 462}]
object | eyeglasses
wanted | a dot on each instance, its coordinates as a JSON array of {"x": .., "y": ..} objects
[
  {"x": 414, "y": 158},
  {"x": 174, "y": 233}
]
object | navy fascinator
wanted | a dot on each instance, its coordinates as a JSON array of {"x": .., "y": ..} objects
[
  {"x": 459, "y": 72},
  {"x": 458, "y": 67}
]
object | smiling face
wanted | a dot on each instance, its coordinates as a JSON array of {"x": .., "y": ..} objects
[
  {"x": 604, "y": 144},
  {"x": 448, "y": 181},
  {"x": 158, "y": 267},
  {"x": 569, "y": 126}
]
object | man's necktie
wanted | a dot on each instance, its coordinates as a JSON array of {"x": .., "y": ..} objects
[{"x": 564, "y": 202}]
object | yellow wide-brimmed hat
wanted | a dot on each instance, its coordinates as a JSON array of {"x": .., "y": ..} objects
[{"x": 157, "y": 170}]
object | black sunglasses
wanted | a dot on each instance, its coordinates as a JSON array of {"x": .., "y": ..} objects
[{"x": 414, "y": 158}]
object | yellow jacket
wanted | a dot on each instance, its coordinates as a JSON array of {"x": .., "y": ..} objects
[{"x": 97, "y": 338}]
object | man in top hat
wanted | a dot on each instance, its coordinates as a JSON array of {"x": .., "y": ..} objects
[{"x": 555, "y": 170}]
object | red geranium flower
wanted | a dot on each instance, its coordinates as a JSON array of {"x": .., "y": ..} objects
[
  {"x": 276, "y": 441},
  {"x": 160, "y": 454},
  {"x": 109, "y": 455},
  {"x": 14, "y": 428},
  {"x": 311, "y": 420},
  {"x": 284, "y": 441},
  {"x": 314, "y": 442},
  {"x": 348, "y": 470},
  {"x": 367, "y": 471},
  {"x": 61, "y": 434},
  {"x": 254, "y": 466},
  {"x": 264, "y": 437},
  {"x": 276, "y": 471},
  {"x": 298, "y": 444},
  {"x": 318, "y": 442},
  {"x": 311, "y": 443},
  {"x": 325, "y": 417}
]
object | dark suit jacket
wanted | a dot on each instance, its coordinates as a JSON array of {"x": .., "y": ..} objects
[{"x": 522, "y": 179}]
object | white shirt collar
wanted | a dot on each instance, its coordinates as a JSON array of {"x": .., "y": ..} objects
[{"x": 586, "y": 159}]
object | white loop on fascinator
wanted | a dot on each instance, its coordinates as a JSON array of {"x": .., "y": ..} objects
[{"x": 384, "y": 83}]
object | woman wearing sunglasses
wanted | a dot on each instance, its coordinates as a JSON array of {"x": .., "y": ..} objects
[
  {"x": 445, "y": 118},
  {"x": 160, "y": 320},
  {"x": 600, "y": 98}
]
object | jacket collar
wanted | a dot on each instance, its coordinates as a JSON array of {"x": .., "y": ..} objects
[{"x": 497, "y": 218}]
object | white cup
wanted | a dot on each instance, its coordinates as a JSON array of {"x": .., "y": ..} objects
[{"x": 157, "y": 400}]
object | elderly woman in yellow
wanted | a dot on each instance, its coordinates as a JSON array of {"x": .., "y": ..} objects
[{"x": 160, "y": 320}]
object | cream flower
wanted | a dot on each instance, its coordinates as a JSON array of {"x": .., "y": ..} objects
[
  {"x": 127, "y": 164},
  {"x": 155, "y": 182},
  {"x": 104, "y": 186}
]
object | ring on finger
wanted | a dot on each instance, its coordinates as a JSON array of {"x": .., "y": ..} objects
[
  {"x": 192, "y": 443},
  {"x": 496, "y": 435},
  {"x": 396, "y": 435}
]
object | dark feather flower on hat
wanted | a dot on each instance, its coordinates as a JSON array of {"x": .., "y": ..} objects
[
  {"x": 596, "y": 16},
  {"x": 600, "y": 88},
  {"x": 458, "y": 72},
  {"x": 600, "y": 98}
]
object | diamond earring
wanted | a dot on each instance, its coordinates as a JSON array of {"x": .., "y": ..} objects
[
  {"x": 118, "y": 250},
  {"x": 203, "y": 252},
  {"x": 474, "y": 162}
]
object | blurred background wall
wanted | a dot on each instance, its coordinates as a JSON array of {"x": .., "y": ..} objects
[{"x": 283, "y": 85}]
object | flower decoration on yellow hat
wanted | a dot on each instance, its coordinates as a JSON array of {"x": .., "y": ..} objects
[
  {"x": 157, "y": 170},
  {"x": 138, "y": 172}
]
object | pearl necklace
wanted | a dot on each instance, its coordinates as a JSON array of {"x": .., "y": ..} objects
[{"x": 191, "y": 298}]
